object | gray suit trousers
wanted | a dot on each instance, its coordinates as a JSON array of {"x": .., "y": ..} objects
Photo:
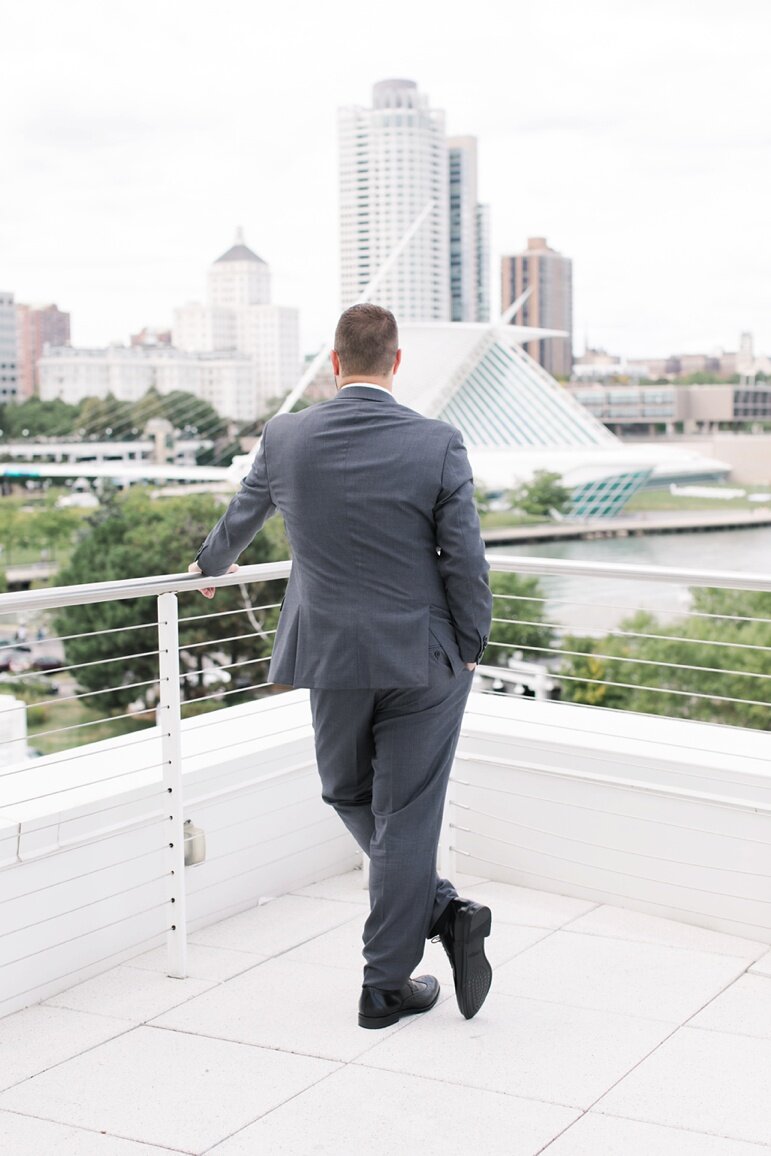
[{"x": 384, "y": 757}]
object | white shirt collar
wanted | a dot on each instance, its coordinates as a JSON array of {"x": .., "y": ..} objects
[{"x": 365, "y": 385}]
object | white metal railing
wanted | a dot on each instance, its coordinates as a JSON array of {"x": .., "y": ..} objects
[
  {"x": 164, "y": 788},
  {"x": 168, "y": 714}
]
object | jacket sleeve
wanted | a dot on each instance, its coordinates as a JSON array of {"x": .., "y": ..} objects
[
  {"x": 244, "y": 517},
  {"x": 462, "y": 563}
]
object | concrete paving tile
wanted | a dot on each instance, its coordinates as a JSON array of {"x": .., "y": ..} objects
[
  {"x": 544, "y": 1051},
  {"x": 597, "y": 1135},
  {"x": 348, "y": 887},
  {"x": 36, "y": 1038},
  {"x": 294, "y": 1006},
  {"x": 129, "y": 993},
  {"x": 203, "y": 962},
  {"x": 623, "y": 923},
  {"x": 704, "y": 1081},
  {"x": 27, "y": 1136},
  {"x": 744, "y": 1008},
  {"x": 276, "y": 926},
  {"x": 643, "y": 979},
  {"x": 342, "y": 947},
  {"x": 762, "y": 965},
  {"x": 393, "y": 1113},
  {"x": 166, "y": 1088},
  {"x": 510, "y": 904}
]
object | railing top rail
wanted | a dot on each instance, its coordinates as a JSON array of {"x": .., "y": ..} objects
[
  {"x": 116, "y": 591},
  {"x": 561, "y": 567},
  {"x": 56, "y": 596}
]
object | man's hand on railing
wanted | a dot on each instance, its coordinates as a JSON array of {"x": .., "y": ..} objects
[
  {"x": 209, "y": 591},
  {"x": 471, "y": 666}
]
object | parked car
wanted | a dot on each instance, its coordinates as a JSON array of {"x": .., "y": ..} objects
[
  {"x": 15, "y": 660},
  {"x": 46, "y": 662}
]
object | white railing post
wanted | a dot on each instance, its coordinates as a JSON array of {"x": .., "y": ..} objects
[
  {"x": 169, "y": 720},
  {"x": 446, "y": 858}
]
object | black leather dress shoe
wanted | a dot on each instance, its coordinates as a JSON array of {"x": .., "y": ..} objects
[
  {"x": 462, "y": 928},
  {"x": 379, "y": 1008}
]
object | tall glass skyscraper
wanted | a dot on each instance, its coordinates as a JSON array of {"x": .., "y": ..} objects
[
  {"x": 393, "y": 161},
  {"x": 9, "y": 377},
  {"x": 469, "y": 235}
]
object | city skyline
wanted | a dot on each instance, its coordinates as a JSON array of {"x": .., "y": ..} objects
[{"x": 637, "y": 143}]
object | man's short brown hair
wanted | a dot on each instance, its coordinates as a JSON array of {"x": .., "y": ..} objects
[{"x": 366, "y": 340}]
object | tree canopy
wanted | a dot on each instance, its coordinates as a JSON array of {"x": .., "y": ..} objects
[
  {"x": 110, "y": 418},
  {"x": 712, "y": 665},
  {"x": 134, "y": 536},
  {"x": 518, "y": 620},
  {"x": 542, "y": 494}
]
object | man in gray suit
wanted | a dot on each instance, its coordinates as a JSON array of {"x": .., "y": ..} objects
[{"x": 386, "y": 614}]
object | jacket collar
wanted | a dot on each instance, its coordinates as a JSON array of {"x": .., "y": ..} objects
[{"x": 364, "y": 393}]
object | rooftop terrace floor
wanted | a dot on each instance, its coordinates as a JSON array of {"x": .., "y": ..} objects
[{"x": 606, "y": 1032}]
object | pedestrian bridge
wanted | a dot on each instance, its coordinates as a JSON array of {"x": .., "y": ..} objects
[{"x": 211, "y": 1006}]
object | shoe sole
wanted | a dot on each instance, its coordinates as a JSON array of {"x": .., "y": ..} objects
[
  {"x": 386, "y": 1021},
  {"x": 472, "y": 971}
]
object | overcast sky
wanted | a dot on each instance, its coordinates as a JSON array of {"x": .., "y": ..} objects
[{"x": 634, "y": 134}]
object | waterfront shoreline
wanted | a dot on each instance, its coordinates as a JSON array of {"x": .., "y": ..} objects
[{"x": 694, "y": 521}]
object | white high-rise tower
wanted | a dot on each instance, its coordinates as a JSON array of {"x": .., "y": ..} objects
[{"x": 393, "y": 161}]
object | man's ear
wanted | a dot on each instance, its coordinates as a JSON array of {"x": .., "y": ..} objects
[
  {"x": 335, "y": 362},
  {"x": 397, "y": 360}
]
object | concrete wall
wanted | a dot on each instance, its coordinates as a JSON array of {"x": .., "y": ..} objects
[{"x": 749, "y": 455}]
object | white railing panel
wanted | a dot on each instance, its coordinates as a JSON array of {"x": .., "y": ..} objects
[{"x": 619, "y": 823}]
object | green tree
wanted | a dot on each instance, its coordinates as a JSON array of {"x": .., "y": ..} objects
[
  {"x": 518, "y": 621},
  {"x": 41, "y": 419},
  {"x": 185, "y": 411},
  {"x": 134, "y": 536},
  {"x": 103, "y": 417},
  {"x": 542, "y": 494},
  {"x": 712, "y": 665}
]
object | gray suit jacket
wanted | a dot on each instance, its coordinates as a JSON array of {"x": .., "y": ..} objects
[{"x": 388, "y": 560}]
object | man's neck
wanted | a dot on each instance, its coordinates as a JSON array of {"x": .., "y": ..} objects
[{"x": 381, "y": 382}]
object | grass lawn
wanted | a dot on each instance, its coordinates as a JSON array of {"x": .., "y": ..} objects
[
  {"x": 72, "y": 714},
  {"x": 653, "y": 500},
  {"x": 502, "y": 519}
]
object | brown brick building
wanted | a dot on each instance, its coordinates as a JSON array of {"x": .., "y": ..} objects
[
  {"x": 550, "y": 305},
  {"x": 36, "y": 327}
]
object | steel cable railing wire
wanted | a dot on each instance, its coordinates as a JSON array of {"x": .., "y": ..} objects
[
  {"x": 527, "y": 647},
  {"x": 48, "y": 640},
  {"x": 685, "y": 613},
  {"x": 560, "y": 677},
  {"x": 228, "y": 613},
  {"x": 612, "y": 633},
  {"x": 81, "y": 665},
  {"x": 83, "y": 752},
  {"x": 154, "y": 766}
]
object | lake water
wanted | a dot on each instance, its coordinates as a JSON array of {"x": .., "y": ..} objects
[{"x": 596, "y": 604}]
